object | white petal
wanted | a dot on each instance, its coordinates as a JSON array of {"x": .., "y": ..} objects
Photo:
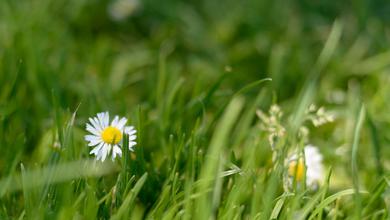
[
  {"x": 116, "y": 151},
  {"x": 92, "y": 130},
  {"x": 96, "y": 149},
  {"x": 115, "y": 121},
  {"x": 106, "y": 119},
  {"x": 109, "y": 148},
  {"x": 101, "y": 117},
  {"x": 104, "y": 152},
  {"x": 94, "y": 140},
  {"x": 94, "y": 143},
  {"x": 100, "y": 154},
  {"x": 121, "y": 123},
  {"x": 131, "y": 145},
  {"x": 113, "y": 155},
  {"x": 130, "y": 130},
  {"x": 313, "y": 157},
  {"x": 91, "y": 137},
  {"x": 132, "y": 137},
  {"x": 99, "y": 125},
  {"x": 94, "y": 124}
]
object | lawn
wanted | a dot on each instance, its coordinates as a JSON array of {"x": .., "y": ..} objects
[{"x": 245, "y": 109}]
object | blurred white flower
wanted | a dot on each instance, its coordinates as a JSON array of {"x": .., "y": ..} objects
[
  {"x": 121, "y": 9},
  {"x": 312, "y": 164},
  {"x": 108, "y": 137}
]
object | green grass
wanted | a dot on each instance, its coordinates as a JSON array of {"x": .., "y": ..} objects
[{"x": 191, "y": 75}]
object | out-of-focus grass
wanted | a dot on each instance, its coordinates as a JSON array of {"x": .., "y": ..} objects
[{"x": 172, "y": 68}]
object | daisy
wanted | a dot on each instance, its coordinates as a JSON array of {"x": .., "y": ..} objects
[
  {"x": 106, "y": 137},
  {"x": 312, "y": 164}
]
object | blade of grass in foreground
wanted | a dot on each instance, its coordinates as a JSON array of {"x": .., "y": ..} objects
[
  {"x": 278, "y": 207},
  {"x": 128, "y": 203},
  {"x": 63, "y": 172},
  {"x": 326, "y": 186},
  {"x": 310, "y": 87},
  {"x": 55, "y": 157},
  {"x": 252, "y": 85},
  {"x": 311, "y": 204},
  {"x": 376, "y": 193},
  {"x": 124, "y": 176},
  {"x": 203, "y": 206},
  {"x": 375, "y": 143},
  {"x": 355, "y": 173},
  {"x": 333, "y": 198},
  {"x": 26, "y": 191}
]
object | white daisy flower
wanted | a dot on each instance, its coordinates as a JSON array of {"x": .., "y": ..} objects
[
  {"x": 108, "y": 137},
  {"x": 313, "y": 165}
]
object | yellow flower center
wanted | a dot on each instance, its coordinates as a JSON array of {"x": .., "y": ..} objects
[
  {"x": 111, "y": 135},
  {"x": 297, "y": 169}
]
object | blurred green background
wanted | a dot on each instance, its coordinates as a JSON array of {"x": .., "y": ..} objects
[{"x": 181, "y": 61}]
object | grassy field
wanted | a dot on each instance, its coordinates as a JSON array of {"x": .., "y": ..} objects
[{"x": 221, "y": 94}]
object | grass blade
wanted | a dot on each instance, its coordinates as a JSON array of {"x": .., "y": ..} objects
[
  {"x": 128, "y": 204},
  {"x": 354, "y": 162}
]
